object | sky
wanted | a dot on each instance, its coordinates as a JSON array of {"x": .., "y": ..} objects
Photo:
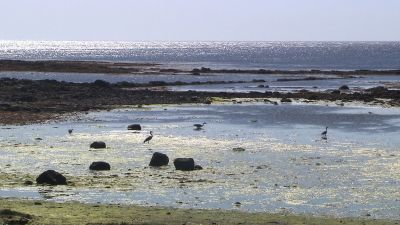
[{"x": 201, "y": 20}]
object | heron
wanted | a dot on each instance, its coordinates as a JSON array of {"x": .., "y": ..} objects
[
  {"x": 70, "y": 131},
  {"x": 148, "y": 138},
  {"x": 324, "y": 133},
  {"x": 199, "y": 125}
]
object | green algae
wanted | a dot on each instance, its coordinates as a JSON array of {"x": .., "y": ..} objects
[{"x": 40, "y": 212}]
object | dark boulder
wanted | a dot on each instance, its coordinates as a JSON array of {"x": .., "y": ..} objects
[
  {"x": 205, "y": 69},
  {"x": 51, "y": 177},
  {"x": 198, "y": 167},
  {"x": 344, "y": 88},
  {"x": 102, "y": 83},
  {"x": 159, "y": 159},
  {"x": 134, "y": 127},
  {"x": 98, "y": 144},
  {"x": 100, "y": 166},
  {"x": 185, "y": 164}
]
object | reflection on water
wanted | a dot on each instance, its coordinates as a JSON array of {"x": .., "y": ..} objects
[{"x": 286, "y": 166}]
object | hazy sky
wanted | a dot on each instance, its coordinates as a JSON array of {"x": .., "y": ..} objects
[{"x": 248, "y": 20}]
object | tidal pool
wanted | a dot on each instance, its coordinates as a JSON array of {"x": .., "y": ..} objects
[{"x": 286, "y": 166}]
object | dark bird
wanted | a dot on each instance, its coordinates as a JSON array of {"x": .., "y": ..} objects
[
  {"x": 148, "y": 138},
  {"x": 199, "y": 125},
  {"x": 70, "y": 131},
  {"x": 324, "y": 133}
]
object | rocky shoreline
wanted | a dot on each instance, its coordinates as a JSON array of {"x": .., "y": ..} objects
[
  {"x": 29, "y": 101},
  {"x": 156, "y": 68}
]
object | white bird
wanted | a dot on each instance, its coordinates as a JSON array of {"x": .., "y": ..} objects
[
  {"x": 199, "y": 125},
  {"x": 70, "y": 131},
  {"x": 148, "y": 138}
]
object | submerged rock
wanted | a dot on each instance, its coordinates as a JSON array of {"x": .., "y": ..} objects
[
  {"x": 286, "y": 100},
  {"x": 134, "y": 127},
  {"x": 100, "y": 165},
  {"x": 28, "y": 182},
  {"x": 159, "y": 159},
  {"x": 238, "y": 149},
  {"x": 51, "y": 177},
  {"x": 198, "y": 167},
  {"x": 185, "y": 164},
  {"x": 98, "y": 144}
]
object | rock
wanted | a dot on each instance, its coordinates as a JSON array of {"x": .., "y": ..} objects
[
  {"x": 185, "y": 164},
  {"x": 51, "y": 177},
  {"x": 98, "y": 144},
  {"x": 378, "y": 90},
  {"x": 335, "y": 92},
  {"x": 100, "y": 166},
  {"x": 198, "y": 167},
  {"x": 102, "y": 83},
  {"x": 194, "y": 98},
  {"x": 286, "y": 100},
  {"x": 205, "y": 69},
  {"x": 238, "y": 149},
  {"x": 28, "y": 182},
  {"x": 258, "y": 81},
  {"x": 344, "y": 87},
  {"x": 159, "y": 159},
  {"x": 134, "y": 127},
  {"x": 8, "y": 216}
]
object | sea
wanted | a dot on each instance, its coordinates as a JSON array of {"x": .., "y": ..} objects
[{"x": 242, "y": 55}]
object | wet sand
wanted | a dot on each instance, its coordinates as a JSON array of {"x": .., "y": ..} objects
[{"x": 39, "y": 212}]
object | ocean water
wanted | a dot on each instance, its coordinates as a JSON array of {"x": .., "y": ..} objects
[{"x": 273, "y": 55}]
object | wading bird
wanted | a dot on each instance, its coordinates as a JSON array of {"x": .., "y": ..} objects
[
  {"x": 199, "y": 125},
  {"x": 148, "y": 138},
  {"x": 70, "y": 131},
  {"x": 324, "y": 133}
]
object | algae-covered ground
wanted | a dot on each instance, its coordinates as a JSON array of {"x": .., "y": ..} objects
[{"x": 39, "y": 212}]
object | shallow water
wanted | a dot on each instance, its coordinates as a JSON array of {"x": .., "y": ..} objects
[
  {"x": 271, "y": 83},
  {"x": 286, "y": 166}
]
